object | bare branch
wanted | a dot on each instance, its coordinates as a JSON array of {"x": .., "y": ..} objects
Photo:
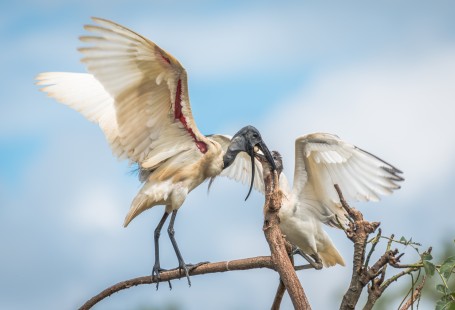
[
  {"x": 415, "y": 295},
  {"x": 278, "y": 296},
  {"x": 396, "y": 277},
  {"x": 277, "y": 243},
  {"x": 363, "y": 275},
  {"x": 358, "y": 232},
  {"x": 388, "y": 257},
  {"x": 239, "y": 264},
  {"x": 374, "y": 242}
]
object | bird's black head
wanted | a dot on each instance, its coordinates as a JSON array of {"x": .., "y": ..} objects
[{"x": 249, "y": 140}]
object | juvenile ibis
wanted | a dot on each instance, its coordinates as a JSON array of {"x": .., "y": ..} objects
[
  {"x": 138, "y": 94},
  {"x": 321, "y": 161}
]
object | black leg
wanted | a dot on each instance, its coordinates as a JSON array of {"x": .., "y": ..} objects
[
  {"x": 182, "y": 265},
  {"x": 157, "y": 267}
]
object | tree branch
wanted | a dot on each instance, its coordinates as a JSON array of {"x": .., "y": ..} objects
[
  {"x": 363, "y": 275},
  {"x": 358, "y": 232},
  {"x": 278, "y": 296},
  {"x": 414, "y": 296},
  {"x": 239, "y": 264},
  {"x": 281, "y": 288},
  {"x": 277, "y": 244},
  {"x": 374, "y": 242},
  {"x": 279, "y": 259}
]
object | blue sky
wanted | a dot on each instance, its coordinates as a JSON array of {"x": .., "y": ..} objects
[{"x": 379, "y": 75}]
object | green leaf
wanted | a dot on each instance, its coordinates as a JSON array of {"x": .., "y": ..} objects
[
  {"x": 440, "y": 305},
  {"x": 449, "y": 260},
  {"x": 447, "y": 266},
  {"x": 442, "y": 289},
  {"x": 429, "y": 268},
  {"x": 445, "y": 305},
  {"x": 427, "y": 256},
  {"x": 403, "y": 239}
]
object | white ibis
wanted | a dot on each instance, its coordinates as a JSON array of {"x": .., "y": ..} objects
[
  {"x": 321, "y": 161},
  {"x": 138, "y": 94}
]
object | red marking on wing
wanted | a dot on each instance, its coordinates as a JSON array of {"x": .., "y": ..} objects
[
  {"x": 164, "y": 57},
  {"x": 179, "y": 115}
]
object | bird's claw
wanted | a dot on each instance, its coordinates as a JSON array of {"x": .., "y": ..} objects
[
  {"x": 194, "y": 266},
  {"x": 314, "y": 260},
  {"x": 187, "y": 268},
  {"x": 156, "y": 275}
]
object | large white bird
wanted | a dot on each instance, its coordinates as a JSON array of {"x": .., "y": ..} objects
[
  {"x": 321, "y": 161},
  {"x": 138, "y": 94}
]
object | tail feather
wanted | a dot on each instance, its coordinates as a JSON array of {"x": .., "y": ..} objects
[
  {"x": 139, "y": 205},
  {"x": 151, "y": 194},
  {"x": 330, "y": 256}
]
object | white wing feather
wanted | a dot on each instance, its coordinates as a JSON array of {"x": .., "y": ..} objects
[
  {"x": 83, "y": 93},
  {"x": 323, "y": 160},
  {"x": 240, "y": 169},
  {"x": 150, "y": 92}
]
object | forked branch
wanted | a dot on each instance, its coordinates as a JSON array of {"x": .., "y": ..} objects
[{"x": 364, "y": 275}]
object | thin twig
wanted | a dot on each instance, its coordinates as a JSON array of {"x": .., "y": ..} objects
[
  {"x": 374, "y": 242},
  {"x": 396, "y": 277},
  {"x": 409, "y": 291},
  {"x": 415, "y": 295},
  {"x": 414, "y": 245}
]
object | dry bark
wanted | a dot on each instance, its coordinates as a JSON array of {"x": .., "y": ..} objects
[
  {"x": 277, "y": 244},
  {"x": 278, "y": 296},
  {"x": 240, "y": 264}
]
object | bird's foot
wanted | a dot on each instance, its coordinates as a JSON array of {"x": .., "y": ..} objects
[
  {"x": 156, "y": 275},
  {"x": 187, "y": 268},
  {"x": 313, "y": 260},
  {"x": 191, "y": 267},
  {"x": 317, "y": 264}
]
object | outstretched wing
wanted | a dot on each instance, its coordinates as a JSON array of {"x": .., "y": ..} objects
[
  {"x": 85, "y": 94},
  {"x": 323, "y": 160},
  {"x": 240, "y": 170},
  {"x": 150, "y": 92}
]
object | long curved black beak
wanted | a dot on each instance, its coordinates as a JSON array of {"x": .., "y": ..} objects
[{"x": 248, "y": 139}]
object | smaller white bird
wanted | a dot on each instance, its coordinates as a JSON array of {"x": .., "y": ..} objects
[{"x": 321, "y": 161}]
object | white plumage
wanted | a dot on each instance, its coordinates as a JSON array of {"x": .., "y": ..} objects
[
  {"x": 321, "y": 161},
  {"x": 138, "y": 94}
]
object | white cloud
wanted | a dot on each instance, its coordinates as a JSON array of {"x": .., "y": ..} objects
[
  {"x": 395, "y": 105},
  {"x": 398, "y": 109},
  {"x": 273, "y": 39},
  {"x": 96, "y": 208}
]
